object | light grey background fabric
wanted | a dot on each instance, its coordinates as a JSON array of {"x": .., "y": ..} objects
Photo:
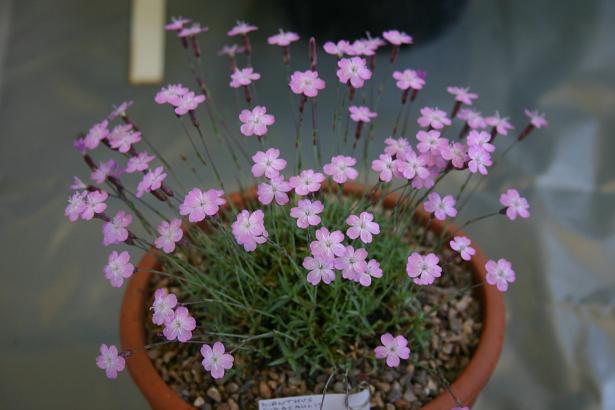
[{"x": 63, "y": 63}]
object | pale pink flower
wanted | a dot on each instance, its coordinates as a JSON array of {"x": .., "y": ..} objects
[
  {"x": 461, "y": 408},
  {"x": 430, "y": 141},
  {"x": 434, "y": 118},
  {"x": 456, "y": 152},
  {"x": 337, "y": 49},
  {"x": 306, "y": 213},
  {"x": 479, "y": 160},
  {"x": 283, "y": 38},
  {"x": 501, "y": 124},
  {"x": 180, "y": 326},
  {"x": 393, "y": 349},
  {"x": 97, "y": 133},
  {"x": 423, "y": 269},
  {"x": 353, "y": 70},
  {"x": 94, "y": 204},
  {"x": 537, "y": 119},
  {"x": 120, "y": 110},
  {"x": 408, "y": 79},
  {"x": 115, "y": 231},
  {"x": 249, "y": 229},
  {"x": 110, "y": 361},
  {"x": 255, "y": 122},
  {"x": 515, "y": 204},
  {"x": 319, "y": 269},
  {"x": 193, "y": 30},
  {"x": 118, "y": 268},
  {"x": 500, "y": 274},
  {"x": 397, "y": 38},
  {"x": 151, "y": 181},
  {"x": 79, "y": 145},
  {"x": 163, "y": 305},
  {"x": 384, "y": 165},
  {"x": 139, "y": 162},
  {"x": 480, "y": 139},
  {"x": 187, "y": 102},
  {"x": 352, "y": 263},
  {"x": 362, "y": 226},
  {"x": 231, "y": 51},
  {"x": 170, "y": 93},
  {"x": 474, "y": 119},
  {"x": 372, "y": 270},
  {"x": 361, "y": 113},
  {"x": 441, "y": 207},
  {"x": 267, "y": 163},
  {"x": 461, "y": 244},
  {"x": 463, "y": 95},
  {"x": 307, "y": 83},
  {"x": 307, "y": 182},
  {"x": 341, "y": 169},
  {"x": 361, "y": 48},
  {"x": 176, "y": 24},
  {"x": 170, "y": 234},
  {"x": 78, "y": 184},
  {"x": 411, "y": 165},
  {"x": 276, "y": 189},
  {"x": 122, "y": 137},
  {"x": 424, "y": 182},
  {"x": 215, "y": 360},
  {"x": 105, "y": 169},
  {"x": 395, "y": 146},
  {"x": 76, "y": 205},
  {"x": 242, "y": 28},
  {"x": 200, "y": 204},
  {"x": 328, "y": 245},
  {"x": 243, "y": 77}
]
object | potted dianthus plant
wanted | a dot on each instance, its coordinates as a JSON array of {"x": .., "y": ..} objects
[{"x": 306, "y": 282}]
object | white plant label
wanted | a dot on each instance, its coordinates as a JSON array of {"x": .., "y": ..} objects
[{"x": 357, "y": 401}]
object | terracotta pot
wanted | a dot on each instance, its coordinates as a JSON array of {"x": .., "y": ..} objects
[{"x": 467, "y": 386}]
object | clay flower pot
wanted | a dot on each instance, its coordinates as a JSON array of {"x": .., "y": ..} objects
[{"x": 467, "y": 386}]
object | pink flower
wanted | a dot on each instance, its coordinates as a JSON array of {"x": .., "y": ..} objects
[
  {"x": 328, "y": 245},
  {"x": 340, "y": 169},
  {"x": 501, "y": 124},
  {"x": 361, "y": 113},
  {"x": 337, "y": 49},
  {"x": 384, "y": 165},
  {"x": 479, "y": 160},
  {"x": 139, "y": 162},
  {"x": 461, "y": 408},
  {"x": 456, "y": 152},
  {"x": 461, "y": 244},
  {"x": 77, "y": 184},
  {"x": 433, "y": 117},
  {"x": 395, "y": 146},
  {"x": 430, "y": 141},
  {"x": 255, "y": 122},
  {"x": 170, "y": 234},
  {"x": 249, "y": 229},
  {"x": 151, "y": 181},
  {"x": 463, "y": 95},
  {"x": 105, "y": 169},
  {"x": 362, "y": 226},
  {"x": 115, "y": 230},
  {"x": 397, "y": 38},
  {"x": 410, "y": 165},
  {"x": 354, "y": 70},
  {"x": 480, "y": 139},
  {"x": 307, "y": 83},
  {"x": 361, "y": 48},
  {"x": 372, "y": 270},
  {"x": 440, "y": 207},
  {"x": 118, "y": 268},
  {"x": 180, "y": 326},
  {"x": 164, "y": 303},
  {"x": 97, "y": 133},
  {"x": 474, "y": 119},
  {"x": 215, "y": 360},
  {"x": 425, "y": 182},
  {"x": 231, "y": 51},
  {"x": 319, "y": 269},
  {"x": 193, "y": 30},
  {"x": 110, "y": 361},
  {"x": 352, "y": 263},
  {"x": 500, "y": 274},
  {"x": 170, "y": 93},
  {"x": 423, "y": 269},
  {"x": 242, "y": 28},
  {"x": 243, "y": 77},
  {"x": 176, "y": 24},
  {"x": 94, "y": 204},
  {"x": 276, "y": 189},
  {"x": 515, "y": 204},
  {"x": 307, "y": 182},
  {"x": 200, "y": 204},
  {"x": 122, "y": 137},
  {"x": 120, "y": 110},
  {"x": 79, "y": 145},
  {"x": 267, "y": 163},
  {"x": 283, "y": 38},
  {"x": 393, "y": 349},
  {"x": 306, "y": 213},
  {"x": 408, "y": 79},
  {"x": 187, "y": 102},
  {"x": 537, "y": 119}
]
